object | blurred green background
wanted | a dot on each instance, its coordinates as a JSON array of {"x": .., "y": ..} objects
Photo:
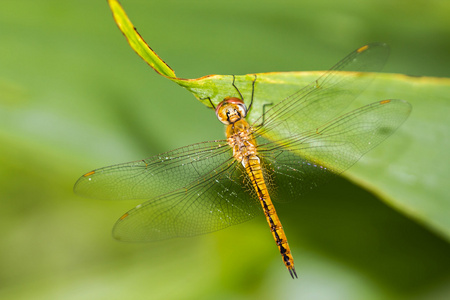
[{"x": 74, "y": 97}]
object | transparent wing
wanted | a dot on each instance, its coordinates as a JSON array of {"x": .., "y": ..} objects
[
  {"x": 327, "y": 97},
  {"x": 302, "y": 161},
  {"x": 159, "y": 174},
  {"x": 224, "y": 199}
]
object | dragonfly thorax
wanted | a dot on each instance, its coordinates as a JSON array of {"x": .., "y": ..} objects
[
  {"x": 231, "y": 110},
  {"x": 241, "y": 140}
]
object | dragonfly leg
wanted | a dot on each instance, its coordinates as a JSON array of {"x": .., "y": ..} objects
[
  {"x": 210, "y": 101},
  {"x": 253, "y": 93},
  {"x": 239, "y": 92}
]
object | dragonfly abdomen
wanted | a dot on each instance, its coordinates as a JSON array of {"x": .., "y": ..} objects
[{"x": 253, "y": 169}]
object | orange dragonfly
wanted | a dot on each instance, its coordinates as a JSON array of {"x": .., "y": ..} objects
[{"x": 293, "y": 147}]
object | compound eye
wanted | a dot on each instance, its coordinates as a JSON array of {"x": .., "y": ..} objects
[
  {"x": 242, "y": 109},
  {"x": 222, "y": 114},
  {"x": 231, "y": 110}
]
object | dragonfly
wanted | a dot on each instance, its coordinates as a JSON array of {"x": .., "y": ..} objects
[{"x": 293, "y": 147}]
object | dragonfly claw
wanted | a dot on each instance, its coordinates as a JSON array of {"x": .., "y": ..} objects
[{"x": 292, "y": 272}]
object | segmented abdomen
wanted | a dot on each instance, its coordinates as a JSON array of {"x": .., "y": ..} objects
[{"x": 252, "y": 166}]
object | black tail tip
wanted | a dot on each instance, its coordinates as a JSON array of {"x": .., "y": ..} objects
[{"x": 293, "y": 273}]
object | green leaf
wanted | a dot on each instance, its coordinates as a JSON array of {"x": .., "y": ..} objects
[
  {"x": 405, "y": 171},
  {"x": 136, "y": 42},
  {"x": 410, "y": 170}
]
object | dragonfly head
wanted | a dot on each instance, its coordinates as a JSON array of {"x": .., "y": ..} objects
[{"x": 231, "y": 110}]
